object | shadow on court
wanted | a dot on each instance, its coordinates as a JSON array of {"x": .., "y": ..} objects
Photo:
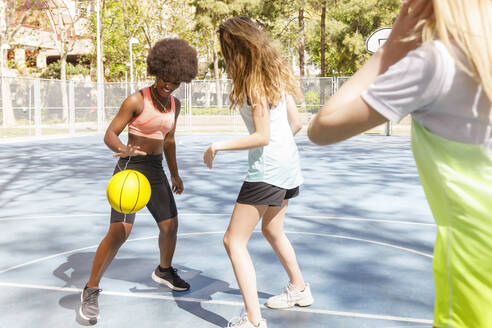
[
  {"x": 373, "y": 271},
  {"x": 76, "y": 270}
]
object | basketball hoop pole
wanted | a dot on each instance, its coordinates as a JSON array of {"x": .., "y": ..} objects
[{"x": 373, "y": 43}]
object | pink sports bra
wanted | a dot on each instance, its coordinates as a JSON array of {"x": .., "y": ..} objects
[{"x": 152, "y": 123}]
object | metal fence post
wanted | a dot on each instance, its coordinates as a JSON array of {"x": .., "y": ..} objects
[
  {"x": 189, "y": 100},
  {"x": 71, "y": 107},
  {"x": 100, "y": 106},
  {"x": 37, "y": 108},
  {"x": 4, "y": 101},
  {"x": 185, "y": 103},
  {"x": 388, "y": 128},
  {"x": 29, "y": 121}
]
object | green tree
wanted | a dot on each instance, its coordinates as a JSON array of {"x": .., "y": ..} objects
[
  {"x": 120, "y": 21},
  {"x": 349, "y": 24},
  {"x": 146, "y": 20},
  {"x": 166, "y": 19},
  {"x": 319, "y": 8},
  {"x": 287, "y": 21},
  {"x": 208, "y": 16}
]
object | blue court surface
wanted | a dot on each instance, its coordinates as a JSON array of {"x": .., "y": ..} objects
[{"x": 361, "y": 228}]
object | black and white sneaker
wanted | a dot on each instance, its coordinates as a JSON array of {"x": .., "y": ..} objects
[
  {"x": 170, "y": 278},
  {"x": 89, "y": 308}
]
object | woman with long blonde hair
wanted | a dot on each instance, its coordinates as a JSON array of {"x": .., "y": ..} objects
[
  {"x": 262, "y": 89},
  {"x": 446, "y": 86}
]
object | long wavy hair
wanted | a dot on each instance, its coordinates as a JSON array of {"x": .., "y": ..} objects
[
  {"x": 466, "y": 24},
  {"x": 257, "y": 70}
]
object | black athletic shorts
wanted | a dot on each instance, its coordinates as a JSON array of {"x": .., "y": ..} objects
[
  {"x": 262, "y": 193},
  {"x": 161, "y": 204}
]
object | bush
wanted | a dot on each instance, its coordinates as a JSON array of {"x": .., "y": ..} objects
[
  {"x": 53, "y": 70},
  {"x": 312, "y": 98},
  {"x": 211, "y": 111}
]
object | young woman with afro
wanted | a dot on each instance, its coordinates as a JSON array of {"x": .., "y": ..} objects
[{"x": 151, "y": 115}]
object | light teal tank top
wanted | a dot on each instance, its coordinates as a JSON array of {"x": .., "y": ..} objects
[{"x": 277, "y": 163}]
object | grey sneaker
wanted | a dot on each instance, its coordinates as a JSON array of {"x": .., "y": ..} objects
[
  {"x": 243, "y": 322},
  {"x": 170, "y": 278},
  {"x": 291, "y": 297},
  {"x": 89, "y": 308}
]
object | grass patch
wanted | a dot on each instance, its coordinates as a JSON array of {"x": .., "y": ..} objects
[
  {"x": 227, "y": 111},
  {"x": 24, "y": 132},
  {"x": 211, "y": 111}
]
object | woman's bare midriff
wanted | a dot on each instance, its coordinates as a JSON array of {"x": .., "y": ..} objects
[{"x": 148, "y": 145}]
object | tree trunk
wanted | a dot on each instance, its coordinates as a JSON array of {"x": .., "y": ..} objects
[
  {"x": 101, "y": 116},
  {"x": 63, "y": 67},
  {"x": 207, "y": 84},
  {"x": 323, "y": 41},
  {"x": 101, "y": 24},
  {"x": 302, "y": 41},
  {"x": 322, "y": 53},
  {"x": 63, "y": 86}
]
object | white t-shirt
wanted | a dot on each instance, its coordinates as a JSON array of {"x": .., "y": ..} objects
[
  {"x": 277, "y": 163},
  {"x": 429, "y": 85}
]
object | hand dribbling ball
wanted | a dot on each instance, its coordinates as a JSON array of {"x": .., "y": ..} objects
[{"x": 128, "y": 191}]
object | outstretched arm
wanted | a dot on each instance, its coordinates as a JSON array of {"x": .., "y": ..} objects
[
  {"x": 261, "y": 136},
  {"x": 345, "y": 114}
]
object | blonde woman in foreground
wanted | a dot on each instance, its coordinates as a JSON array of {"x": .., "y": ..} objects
[
  {"x": 262, "y": 89},
  {"x": 446, "y": 86}
]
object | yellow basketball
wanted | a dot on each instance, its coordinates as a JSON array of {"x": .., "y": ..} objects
[{"x": 128, "y": 191}]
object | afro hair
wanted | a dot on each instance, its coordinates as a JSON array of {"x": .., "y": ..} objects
[{"x": 173, "y": 58}]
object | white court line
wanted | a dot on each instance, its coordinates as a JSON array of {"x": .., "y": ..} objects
[
  {"x": 46, "y": 258},
  {"x": 360, "y": 239},
  {"x": 73, "y": 216},
  {"x": 313, "y": 217},
  {"x": 221, "y": 232},
  {"x": 7, "y": 141},
  {"x": 409, "y": 327},
  {"x": 219, "y": 302},
  {"x": 321, "y": 217},
  {"x": 95, "y": 246},
  {"x": 45, "y": 154}
]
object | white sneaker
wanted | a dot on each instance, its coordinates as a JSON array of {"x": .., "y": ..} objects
[
  {"x": 291, "y": 297},
  {"x": 243, "y": 322}
]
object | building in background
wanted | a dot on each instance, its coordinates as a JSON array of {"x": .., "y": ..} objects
[{"x": 38, "y": 42}]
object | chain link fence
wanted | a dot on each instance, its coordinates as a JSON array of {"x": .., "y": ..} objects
[{"x": 38, "y": 107}]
